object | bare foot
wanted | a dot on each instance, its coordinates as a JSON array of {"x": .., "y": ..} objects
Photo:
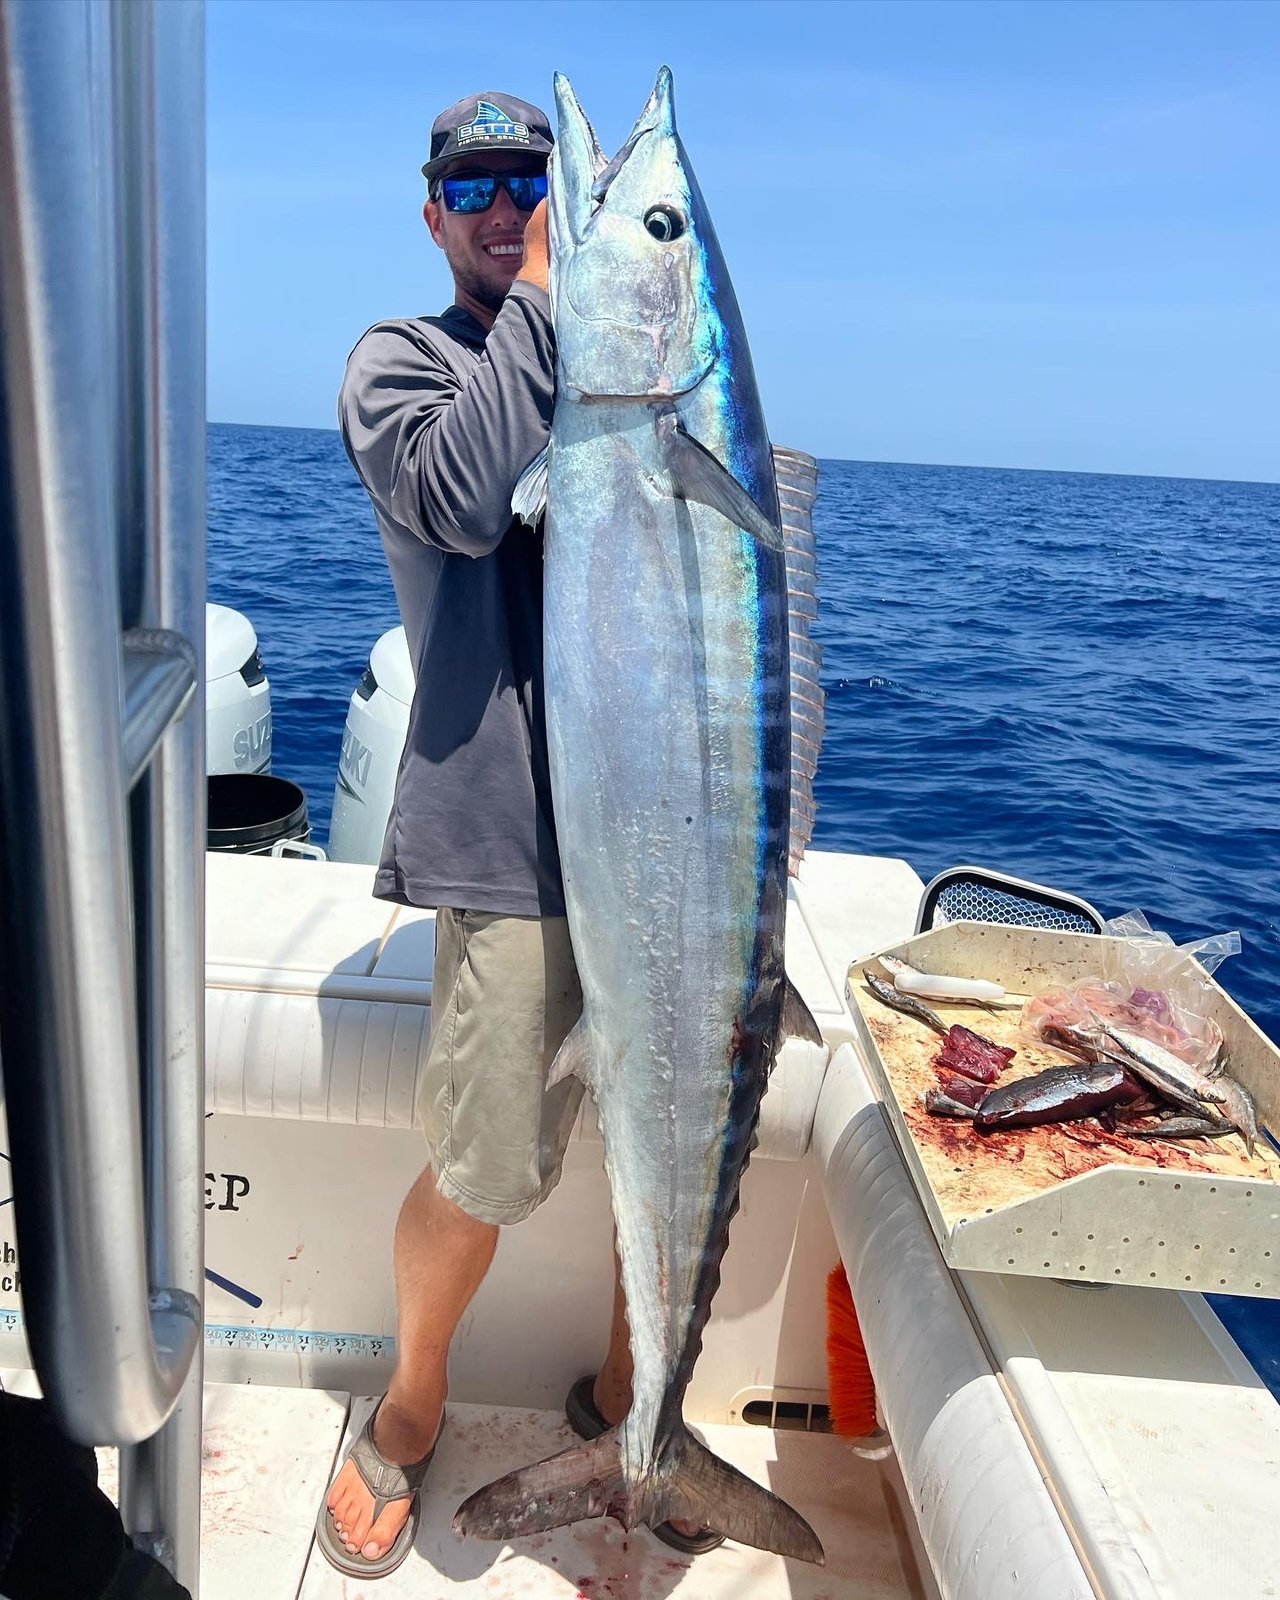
[
  {"x": 613, "y": 1401},
  {"x": 399, "y": 1436}
]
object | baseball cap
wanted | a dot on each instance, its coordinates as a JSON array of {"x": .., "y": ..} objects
[{"x": 483, "y": 122}]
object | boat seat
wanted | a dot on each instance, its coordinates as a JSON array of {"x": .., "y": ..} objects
[
  {"x": 318, "y": 1007},
  {"x": 979, "y": 894}
]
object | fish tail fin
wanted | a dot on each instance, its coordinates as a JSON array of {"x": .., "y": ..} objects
[
  {"x": 585, "y": 1481},
  {"x": 589, "y": 1480},
  {"x": 696, "y": 1486}
]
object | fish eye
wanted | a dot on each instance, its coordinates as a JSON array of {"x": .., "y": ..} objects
[{"x": 664, "y": 224}]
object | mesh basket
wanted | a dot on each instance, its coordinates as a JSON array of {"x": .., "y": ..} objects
[{"x": 968, "y": 896}]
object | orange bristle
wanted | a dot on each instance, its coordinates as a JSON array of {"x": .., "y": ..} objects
[{"x": 853, "y": 1391}]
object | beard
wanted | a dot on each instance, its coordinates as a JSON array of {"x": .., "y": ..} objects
[{"x": 488, "y": 289}]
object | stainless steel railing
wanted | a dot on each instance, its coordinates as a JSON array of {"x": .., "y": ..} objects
[{"x": 102, "y": 511}]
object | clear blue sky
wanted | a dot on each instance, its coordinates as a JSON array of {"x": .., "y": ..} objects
[{"x": 1025, "y": 234}]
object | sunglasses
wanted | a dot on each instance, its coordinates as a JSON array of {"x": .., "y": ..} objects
[{"x": 476, "y": 191}]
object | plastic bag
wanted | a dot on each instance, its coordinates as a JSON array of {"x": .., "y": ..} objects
[
  {"x": 1148, "y": 985},
  {"x": 1210, "y": 952}
]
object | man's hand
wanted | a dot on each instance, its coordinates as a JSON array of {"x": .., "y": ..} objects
[{"x": 537, "y": 255}]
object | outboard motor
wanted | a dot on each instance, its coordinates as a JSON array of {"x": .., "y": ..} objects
[
  {"x": 237, "y": 695},
  {"x": 377, "y": 722}
]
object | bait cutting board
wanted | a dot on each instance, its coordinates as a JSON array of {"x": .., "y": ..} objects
[{"x": 1069, "y": 1200}]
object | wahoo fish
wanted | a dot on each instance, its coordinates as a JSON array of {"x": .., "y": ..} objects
[{"x": 680, "y": 685}]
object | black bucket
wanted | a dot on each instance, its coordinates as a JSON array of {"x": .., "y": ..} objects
[{"x": 249, "y": 812}]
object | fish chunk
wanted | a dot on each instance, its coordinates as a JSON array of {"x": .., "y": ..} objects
[
  {"x": 1059, "y": 1094},
  {"x": 940, "y": 1104}
]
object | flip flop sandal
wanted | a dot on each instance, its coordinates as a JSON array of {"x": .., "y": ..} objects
[
  {"x": 387, "y": 1483},
  {"x": 587, "y": 1421}
]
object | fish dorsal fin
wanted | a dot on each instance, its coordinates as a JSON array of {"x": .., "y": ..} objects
[
  {"x": 797, "y": 476},
  {"x": 529, "y": 497},
  {"x": 696, "y": 474}
]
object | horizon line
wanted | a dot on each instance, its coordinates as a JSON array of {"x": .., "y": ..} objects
[{"x": 866, "y": 461}]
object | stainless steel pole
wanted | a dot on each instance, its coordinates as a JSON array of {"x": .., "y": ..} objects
[
  {"x": 101, "y": 531},
  {"x": 159, "y": 86}
]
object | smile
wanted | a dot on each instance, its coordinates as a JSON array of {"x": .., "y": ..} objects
[{"x": 504, "y": 249}]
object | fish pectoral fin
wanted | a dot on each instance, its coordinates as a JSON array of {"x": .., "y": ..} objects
[
  {"x": 797, "y": 1019},
  {"x": 529, "y": 497},
  {"x": 696, "y": 474},
  {"x": 573, "y": 1058},
  {"x": 694, "y": 1485},
  {"x": 585, "y": 1481}
]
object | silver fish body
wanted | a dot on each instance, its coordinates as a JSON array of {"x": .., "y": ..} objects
[
  {"x": 1238, "y": 1107},
  {"x": 1161, "y": 1067},
  {"x": 668, "y": 721},
  {"x": 1182, "y": 1128},
  {"x": 907, "y": 1004}
]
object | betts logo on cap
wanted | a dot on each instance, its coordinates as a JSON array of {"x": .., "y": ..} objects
[{"x": 491, "y": 122}]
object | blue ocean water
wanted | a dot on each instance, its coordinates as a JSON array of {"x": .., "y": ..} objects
[{"x": 1073, "y": 678}]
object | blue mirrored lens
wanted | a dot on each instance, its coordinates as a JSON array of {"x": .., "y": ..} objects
[
  {"x": 469, "y": 194},
  {"x": 477, "y": 191},
  {"x": 526, "y": 189}
]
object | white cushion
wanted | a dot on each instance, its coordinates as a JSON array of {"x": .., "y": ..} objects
[{"x": 318, "y": 1004}]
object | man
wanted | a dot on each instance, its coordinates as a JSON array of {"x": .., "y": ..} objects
[{"x": 440, "y": 415}]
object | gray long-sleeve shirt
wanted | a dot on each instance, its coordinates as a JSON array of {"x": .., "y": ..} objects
[{"x": 439, "y": 421}]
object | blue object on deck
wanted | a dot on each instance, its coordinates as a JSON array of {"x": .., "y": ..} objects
[
  {"x": 247, "y": 1295},
  {"x": 1255, "y": 1327}
]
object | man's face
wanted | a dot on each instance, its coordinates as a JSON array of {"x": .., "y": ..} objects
[{"x": 484, "y": 249}]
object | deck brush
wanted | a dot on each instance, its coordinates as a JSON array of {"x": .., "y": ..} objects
[{"x": 852, "y": 1388}]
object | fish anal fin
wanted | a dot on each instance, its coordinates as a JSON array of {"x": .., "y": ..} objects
[
  {"x": 573, "y": 1057},
  {"x": 529, "y": 497},
  {"x": 696, "y": 1486},
  {"x": 696, "y": 474},
  {"x": 797, "y": 1020}
]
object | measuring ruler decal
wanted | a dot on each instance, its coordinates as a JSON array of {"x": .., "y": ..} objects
[
  {"x": 284, "y": 1341},
  {"x": 299, "y": 1341}
]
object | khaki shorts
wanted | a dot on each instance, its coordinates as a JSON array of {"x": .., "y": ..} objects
[{"x": 504, "y": 995}]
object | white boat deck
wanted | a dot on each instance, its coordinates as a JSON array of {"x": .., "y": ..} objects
[
  {"x": 1165, "y": 1443},
  {"x": 269, "y": 1454},
  {"x": 844, "y": 1497},
  {"x": 1056, "y": 1443}
]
